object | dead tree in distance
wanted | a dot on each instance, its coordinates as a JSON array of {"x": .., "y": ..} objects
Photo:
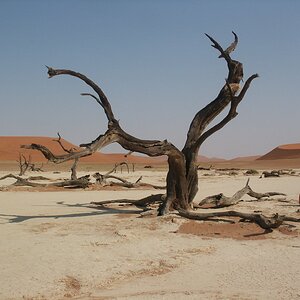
[
  {"x": 23, "y": 164},
  {"x": 26, "y": 164},
  {"x": 182, "y": 177}
]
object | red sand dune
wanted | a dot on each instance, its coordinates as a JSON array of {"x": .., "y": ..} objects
[
  {"x": 288, "y": 151},
  {"x": 10, "y": 149},
  {"x": 245, "y": 158},
  {"x": 204, "y": 159}
]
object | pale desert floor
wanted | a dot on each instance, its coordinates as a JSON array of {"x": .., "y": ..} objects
[{"x": 54, "y": 245}]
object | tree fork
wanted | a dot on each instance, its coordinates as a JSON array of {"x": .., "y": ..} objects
[{"x": 182, "y": 178}]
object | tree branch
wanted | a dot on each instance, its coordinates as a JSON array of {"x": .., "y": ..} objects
[
  {"x": 62, "y": 146},
  {"x": 105, "y": 103},
  {"x": 93, "y": 96},
  {"x": 206, "y": 115},
  {"x": 232, "y": 111},
  {"x": 232, "y": 46}
]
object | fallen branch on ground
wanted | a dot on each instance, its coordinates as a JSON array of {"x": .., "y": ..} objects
[
  {"x": 220, "y": 200},
  {"x": 102, "y": 179},
  {"x": 141, "y": 203},
  {"x": 263, "y": 221},
  {"x": 82, "y": 182}
]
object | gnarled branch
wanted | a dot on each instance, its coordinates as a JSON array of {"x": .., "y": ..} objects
[
  {"x": 220, "y": 200},
  {"x": 232, "y": 111},
  {"x": 78, "y": 183},
  {"x": 263, "y": 221}
]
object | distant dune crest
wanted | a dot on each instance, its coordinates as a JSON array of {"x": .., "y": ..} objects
[
  {"x": 288, "y": 151},
  {"x": 10, "y": 149}
]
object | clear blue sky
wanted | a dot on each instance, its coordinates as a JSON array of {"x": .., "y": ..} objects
[{"x": 156, "y": 66}]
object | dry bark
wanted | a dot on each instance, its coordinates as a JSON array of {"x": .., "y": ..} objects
[{"x": 182, "y": 178}]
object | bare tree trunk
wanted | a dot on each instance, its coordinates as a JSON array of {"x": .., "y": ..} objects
[
  {"x": 73, "y": 169},
  {"x": 182, "y": 178}
]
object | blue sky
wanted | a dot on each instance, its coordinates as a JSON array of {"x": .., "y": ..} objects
[{"x": 156, "y": 66}]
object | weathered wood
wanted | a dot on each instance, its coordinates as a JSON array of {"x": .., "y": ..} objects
[
  {"x": 182, "y": 178},
  {"x": 71, "y": 150},
  {"x": 23, "y": 164},
  {"x": 141, "y": 203},
  {"x": 38, "y": 178},
  {"x": 78, "y": 183},
  {"x": 74, "y": 169},
  {"x": 102, "y": 179},
  {"x": 220, "y": 200},
  {"x": 263, "y": 221},
  {"x": 232, "y": 46},
  {"x": 264, "y": 195},
  {"x": 270, "y": 174},
  {"x": 22, "y": 181},
  {"x": 62, "y": 146},
  {"x": 26, "y": 164}
]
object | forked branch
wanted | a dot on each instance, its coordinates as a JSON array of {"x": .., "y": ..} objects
[
  {"x": 196, "y": 134},
  {"x": 232, "y": 113},
  {"x": 232, "y": 46},
  {"x": 104, "y": 101},
  {"x": 62, "y": 146}
]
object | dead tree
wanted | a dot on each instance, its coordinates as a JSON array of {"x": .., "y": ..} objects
[
  {"x": 102, "y": 179},
  {"x": 124, "y": 163},
  {"x": 182, "y": 177},
  {"x": 26, "y": 164},
  {"x": 23, "y": 164}
]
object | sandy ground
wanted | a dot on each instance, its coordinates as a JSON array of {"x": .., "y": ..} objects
[{"x": 54, "y": 245}]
